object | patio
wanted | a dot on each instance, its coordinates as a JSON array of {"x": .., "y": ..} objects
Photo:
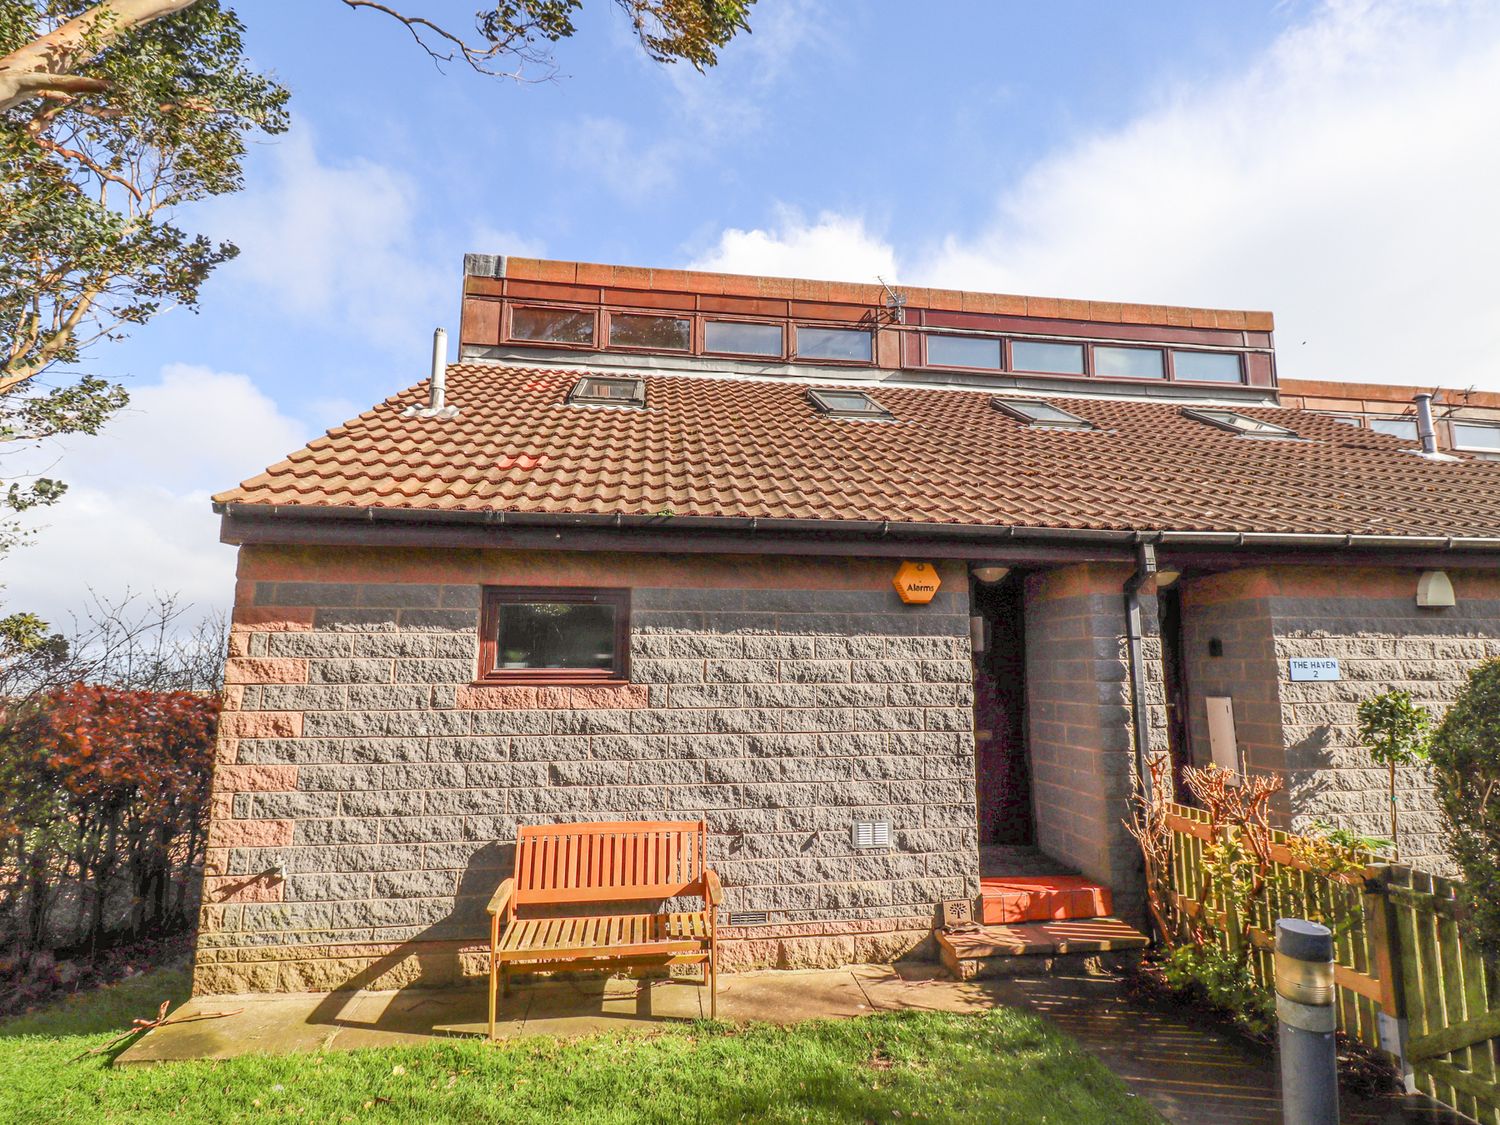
[
  {"x": 565, "y": 1006},
  {"x": 1188, "y": 1071}
]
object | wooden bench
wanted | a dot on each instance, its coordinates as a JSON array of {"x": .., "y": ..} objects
[{"x": 606, "y": 873}]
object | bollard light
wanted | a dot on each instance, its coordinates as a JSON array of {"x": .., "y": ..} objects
[{"x": 1307, "y": 1021}]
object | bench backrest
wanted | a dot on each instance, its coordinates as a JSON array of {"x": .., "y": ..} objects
[{"x": 609, "y": 860}]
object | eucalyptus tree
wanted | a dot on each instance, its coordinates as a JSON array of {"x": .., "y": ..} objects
[{"x": 117, "y": 115}]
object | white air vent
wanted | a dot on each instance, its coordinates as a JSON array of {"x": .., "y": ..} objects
[
  {"x": 749, "y": 917},
  {"x": 871, "y": 834}
]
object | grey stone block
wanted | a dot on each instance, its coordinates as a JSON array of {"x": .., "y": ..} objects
[
  {"x": 414, "y": 595},
  {"x": 326, "y": 887},
  {"x": 505, "y": 775},
  {"x": 307, "y": 593},
  {"x": 307, "y": 644},
  {"x": 349, "y": 671},
  {"x": 439, "y": 620},
  {"x": 434, "y": 671},
  {"x": 389, "y": 697},
  {"x": 351, "y": 620},
  {"x": 421, "y": 646},
  {"x": 465, "y": 802},
  {"x": 284, "y": 806},
  {"x": 342, "y": 830},
  {"x": 415, "y": 884}
]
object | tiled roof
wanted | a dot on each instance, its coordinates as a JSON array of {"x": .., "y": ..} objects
[{"x": 720, "y": 447}]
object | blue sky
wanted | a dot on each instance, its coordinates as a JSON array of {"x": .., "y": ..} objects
[{"x": 1335, "y": 162}]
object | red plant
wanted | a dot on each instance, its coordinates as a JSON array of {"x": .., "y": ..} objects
[{"x": 104, "y": 790}]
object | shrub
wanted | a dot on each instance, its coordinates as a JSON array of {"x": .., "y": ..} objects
[
  {"x": 1211, "y": 975},
  {"x": 103, "y": 793},
  {"x": 1466, "y": 767}
]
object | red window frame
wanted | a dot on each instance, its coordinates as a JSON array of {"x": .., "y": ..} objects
[{"x": 489, "y": 629}]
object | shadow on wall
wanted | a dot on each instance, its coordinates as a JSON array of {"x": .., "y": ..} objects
[
  {"x": 1307, "y": 775},
  {"x": 433, "y": 957}
]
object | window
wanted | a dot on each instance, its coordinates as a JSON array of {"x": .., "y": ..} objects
[
  {"x": 531, "y": 635},
  {"x": 601, "y": 390},
  {"x": 662, "y": 333},
  {"x": 1405, "y": 428},
  {"x": 1236, "y": 423},
  {"x": 551, "y": 326},
  {"x": 964, "y": 351},
  {"x": 1348, "y": 420},
  {"x": 1129, "y": 363},
  {"x": 1476, "y": 435},
  {"x": 1207, "y": 367},
  {"x": 848, "y": 404},
  {"x": 1053, "y": 359},
  {"x": 742, "y": 338},
  {"x": 833, "y": 343},
  {"x": 1035, "y": 412}
]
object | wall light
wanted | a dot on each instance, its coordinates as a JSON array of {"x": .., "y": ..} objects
[
  {"x": 1167, "y": 577},
  {"x": 1434, "y": 591},
  {"x": 991, "y": 574}
]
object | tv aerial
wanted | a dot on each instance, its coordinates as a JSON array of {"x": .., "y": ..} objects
[{"x": 895, "y": 303}]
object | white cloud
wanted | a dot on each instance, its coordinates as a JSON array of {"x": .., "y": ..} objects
[
  {"x": 136, "y": 515},
  {"x": 833, "y": 247},
  {"x": 1346, "y": 180},
  {"x": 337, "y": 241},
  {"x": 607, "y": 149}
]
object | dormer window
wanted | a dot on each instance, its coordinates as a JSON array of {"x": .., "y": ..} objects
[
  {"x": 848, "y": 404},
  {"x": 1237, "y": 423},
  {"x": 1043, "y": 415},
  {"x": 600, "y": 390}
]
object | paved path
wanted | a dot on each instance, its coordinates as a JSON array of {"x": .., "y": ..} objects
[
  {"x": 1190, "y": 1073},
  {"x": 1189, "y": 1070}
]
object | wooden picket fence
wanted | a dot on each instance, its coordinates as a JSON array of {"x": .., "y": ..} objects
[{"x": 1399, "y": 954}]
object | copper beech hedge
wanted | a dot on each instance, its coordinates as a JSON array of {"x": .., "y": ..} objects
[{"x": 103, "y": 801}]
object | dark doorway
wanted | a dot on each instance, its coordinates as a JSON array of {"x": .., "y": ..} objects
[
  {"x": 1169, "y": 608},
  {"x": 1002, "y": 776}
]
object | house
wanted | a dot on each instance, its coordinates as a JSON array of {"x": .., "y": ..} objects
[
  {"x": 880, "y": 583},
  {"x": 1464, "y": 421}
]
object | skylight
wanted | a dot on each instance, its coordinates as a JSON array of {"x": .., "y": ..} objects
[
  {"x": 1035, "y": 412},
  {"x": 601, "y": 390},
  {"x": 848, "y": 404},
  {"x": 1236, "y": 423}
]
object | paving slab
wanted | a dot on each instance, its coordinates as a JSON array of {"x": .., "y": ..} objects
[
  {"x": 922, "y": 988},
  {"x": 273, "y": 1025},
  {"x": 792, "y": 995}
]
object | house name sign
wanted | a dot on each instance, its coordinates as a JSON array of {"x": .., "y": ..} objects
[{"x": 1316, "y": 668}]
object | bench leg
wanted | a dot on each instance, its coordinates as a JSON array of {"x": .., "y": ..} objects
[
  {"x": 713, "y": 982},
  {"x": 492, "y": 995}
]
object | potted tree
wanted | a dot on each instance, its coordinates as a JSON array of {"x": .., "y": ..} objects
[{"x": 1397, "y": 732}]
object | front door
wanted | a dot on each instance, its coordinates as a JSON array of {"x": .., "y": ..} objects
[{"x": 1002, "y": 777}]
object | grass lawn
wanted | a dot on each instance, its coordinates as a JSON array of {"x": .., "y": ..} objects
[{"x": 1003, "y": 1066}]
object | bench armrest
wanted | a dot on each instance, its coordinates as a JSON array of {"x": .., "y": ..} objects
[
  {"x": 713, "y": 890},
  {"x": 502, "y": 897}
]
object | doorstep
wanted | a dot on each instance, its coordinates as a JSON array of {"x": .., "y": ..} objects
[{"x": 1089, "y": 945}]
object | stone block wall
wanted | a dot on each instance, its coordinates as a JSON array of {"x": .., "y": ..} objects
[
  {"x": 368, "y": 791},
  {"x": 1079, "y": 721},
  {"x": 1367, "y": 619}
]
